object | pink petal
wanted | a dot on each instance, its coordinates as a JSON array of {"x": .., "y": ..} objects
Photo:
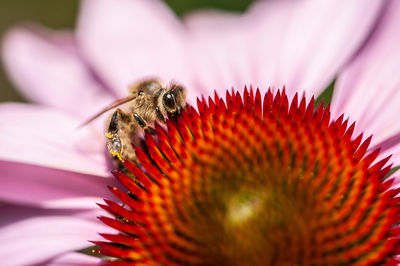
[
  {"x": 37, "y": 239},
  {"x": 277, "y": 43},
  {"x": 320, "y": 38},
  {"x": 219, "y": 52},
  {"x": 74, "y": 258},
  {"x": 232, "y": 50},
  {"x": 48, "y": 69},
  {"x": 131, "y": 40},
  {"x": 34, "y": 185},
  {"x": 47, "y": 137},
  {"x": 369, "y": 89},
  {"x": 15, "y": 213},
  {"x": 270, "y": 20}
]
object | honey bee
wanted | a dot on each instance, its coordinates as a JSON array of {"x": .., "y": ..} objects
[{"x": 149, "y": 101}]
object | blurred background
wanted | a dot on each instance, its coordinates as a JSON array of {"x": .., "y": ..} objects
[{"x": 61, "y": 14}]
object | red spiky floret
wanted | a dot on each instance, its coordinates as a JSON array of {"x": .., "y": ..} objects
[{"x": 251, "y": 181}]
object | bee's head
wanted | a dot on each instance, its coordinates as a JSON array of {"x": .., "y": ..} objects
[{"x": 174, "y": 100}]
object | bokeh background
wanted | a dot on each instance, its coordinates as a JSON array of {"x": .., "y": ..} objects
[{"x": 61, "y": 14}]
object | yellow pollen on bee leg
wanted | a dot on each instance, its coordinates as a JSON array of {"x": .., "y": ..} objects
[
  {"x": 114, "y": 146},
  {"x": 117, "y": 154}
]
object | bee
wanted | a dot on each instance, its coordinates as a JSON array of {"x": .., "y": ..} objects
[{"x": 149, "y": 101}]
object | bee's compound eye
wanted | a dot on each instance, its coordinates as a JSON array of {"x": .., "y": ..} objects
[{"x": 169, "y": 100}]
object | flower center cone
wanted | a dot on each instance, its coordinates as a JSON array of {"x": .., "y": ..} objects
[{"x": 255, "y": 181}]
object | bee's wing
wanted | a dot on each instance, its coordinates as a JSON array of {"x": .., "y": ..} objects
[{"x": 111, "y": 106}]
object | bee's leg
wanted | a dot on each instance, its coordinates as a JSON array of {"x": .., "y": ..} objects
[
  {"x": 119, "y": 142},
  {"x": 143, "y": 124},
  {"x": 114, "y": 144},
  {"x": 160, "y": 116}
]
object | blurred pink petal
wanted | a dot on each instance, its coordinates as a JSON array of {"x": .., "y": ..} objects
[
  {"x": 37, "y": 239},
  {"x": 48, "y": 69},
  {"x": 132, "y": 40},
  {"x": 299, "y": 44},
  {"x": 321, "y": 36},
  {"x": 69, "y": 259},
  {"x": 47, "y": 137},
  {"x": 16, "y": 213},
  {"x": 220, "y": 52},
  {"x": 233, "y": 50},
  {"x": 34, "y": 185},
  {"x": 369, "y": 90},
  {"x": 270, "y": 20}
]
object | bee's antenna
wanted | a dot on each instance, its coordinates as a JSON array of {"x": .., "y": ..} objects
[{"x": 108, "y": 108}]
